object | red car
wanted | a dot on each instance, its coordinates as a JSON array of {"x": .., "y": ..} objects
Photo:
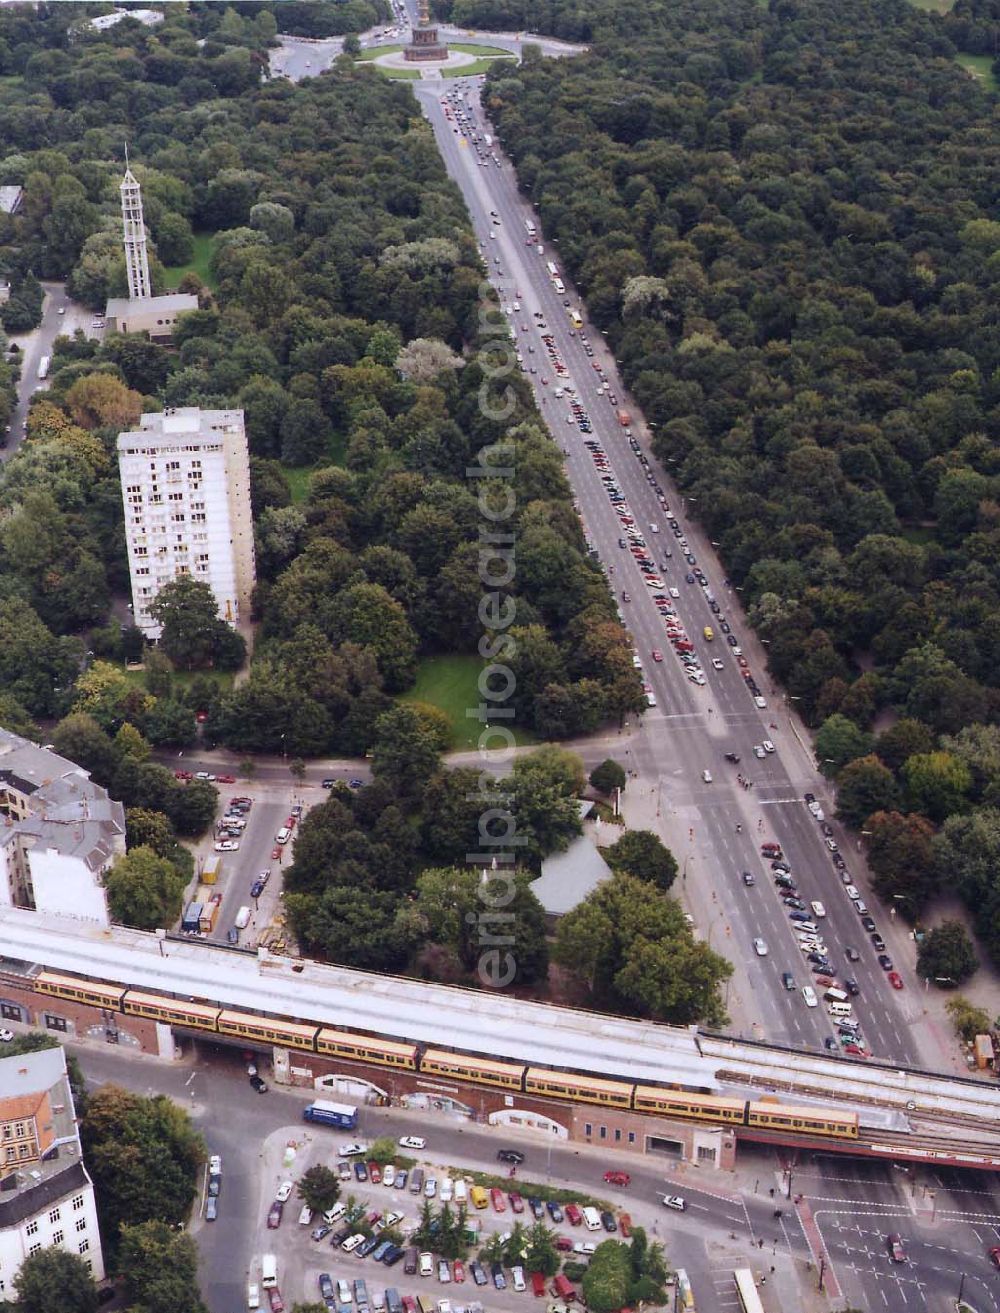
[
  {"x": 516, "y": 1202},
  {"x": 374, "y": 1173},
  {"x": 183, "y": 775},
  {"x": 275, "y": 1300},
  {"x": 995, "y": 1255},
  {"x": 564, "y": 1243},
  {"x": 226, "y": 779},
  {"x": 625, "y": 1225},
  {"x": 276, "y": 852},
  {"x": 895, "y": 980},
  {"x": 573, "y": 1215},
  {"x": 856, "y": 1050},
  {"x": 290, "y": 822},
  {"x": 657, "y": 654},
  {"x": 458, "y": 1271},
  {"x": 498, "y": 1200},
  {"x": 617, "y": 1178}
]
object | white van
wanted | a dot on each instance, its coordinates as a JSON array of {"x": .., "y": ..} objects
[
  {"x": 592, "y": 1219},
  {"x": 835, "y": 996},
  {"x": 839, "y": 1009},
  {"x": 332, "y": 1214},
  {"x": 305, "y": 1216},
  {"x": 818, "y": 910},
  {"x": 283, "y": 835},
  {"x": 446, "y": 1191},
  {"x": 559, "y": 285},
  {"x": 809, "y": 994},
  {"x": 242, "y": 918},
  {"x": 461, "y": 1191},
  {"x": 268, "y": 1271},
  {"x": 253, "y": 1295},
  {"x": 517, "y": 1276}
]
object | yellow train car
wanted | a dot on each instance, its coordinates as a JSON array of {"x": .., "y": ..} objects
[
  {"x": 174, "y": 1011},
  {"x": 80, "y": 991},
  {"x": 480, "y": 1071},
  {"x": 810, "y": 1121},
  {"x": 266, "y": 1030},
  {"x": 700, "y": 1107},
  {"x": 365, "y": 1048},
  {"x": 578, "y": 1089}
]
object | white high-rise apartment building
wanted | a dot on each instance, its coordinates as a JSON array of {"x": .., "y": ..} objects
[{"x": 186, "y": 488}]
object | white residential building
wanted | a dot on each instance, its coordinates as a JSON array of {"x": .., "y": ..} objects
[
  {"x": 46, "y": 1196},
  {"x": 186, "y": 487},
  {"x": 59, "y": 835}
]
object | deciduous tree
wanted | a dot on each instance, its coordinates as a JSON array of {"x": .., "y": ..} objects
[{"x": 946, "y": 955}]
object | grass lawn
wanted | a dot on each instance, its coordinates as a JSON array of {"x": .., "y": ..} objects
[
  {"x": 484, "y": 52},
  {"x": 918, "y": 534},
  {"x": 934, "y": 6},
  {"x": 182, "y": 678},
  {"x": 474, "y": 69},
  {"x": 981, "y": 68},
  {"x": 203, "y": 245},
  {"x": 298, "y": 480},
  {"x": 450, "y": 683}
]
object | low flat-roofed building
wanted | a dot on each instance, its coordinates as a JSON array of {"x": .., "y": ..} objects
[
  {"x": 155, "y": 315},
  {"x": 10, "y": 199},
  {"x": 46, "y": 1196},
  {"x": 147, "y": 17}
]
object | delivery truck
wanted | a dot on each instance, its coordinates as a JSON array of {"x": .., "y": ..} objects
[{"x": 191, "y": 920}]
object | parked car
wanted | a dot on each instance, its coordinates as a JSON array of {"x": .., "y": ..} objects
[
  {"x": 274, "y": 1216},
  {"x": 894, "y": 1243}
]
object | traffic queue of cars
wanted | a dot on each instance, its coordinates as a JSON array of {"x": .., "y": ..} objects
[
  {"x": 664, "y": 597},
  {"x": 805, "y": 915}
]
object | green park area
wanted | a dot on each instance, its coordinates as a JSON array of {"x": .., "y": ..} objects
[
  {"x": 450, "y": 683},
  {"x": 981, "y": 68},
  {"x": 199, "y": 263}
]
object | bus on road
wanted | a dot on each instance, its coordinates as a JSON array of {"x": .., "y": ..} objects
[
  {"x": 576, "y": 319},
  {"x": 43, "y": 366},
  {"x": 746, "y": 1288},
  {"x": 529, "y": 228}
]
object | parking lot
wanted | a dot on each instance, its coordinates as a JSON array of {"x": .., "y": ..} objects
[
  {"x": 314, "y": 1255},
  {"x": 247, "y": 858}
]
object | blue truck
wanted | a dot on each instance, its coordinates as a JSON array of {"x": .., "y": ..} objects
[{"x": 344, "y": 1115}]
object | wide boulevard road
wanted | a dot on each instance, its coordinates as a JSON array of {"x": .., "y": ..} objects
[{"x": 691, "y": 727}]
